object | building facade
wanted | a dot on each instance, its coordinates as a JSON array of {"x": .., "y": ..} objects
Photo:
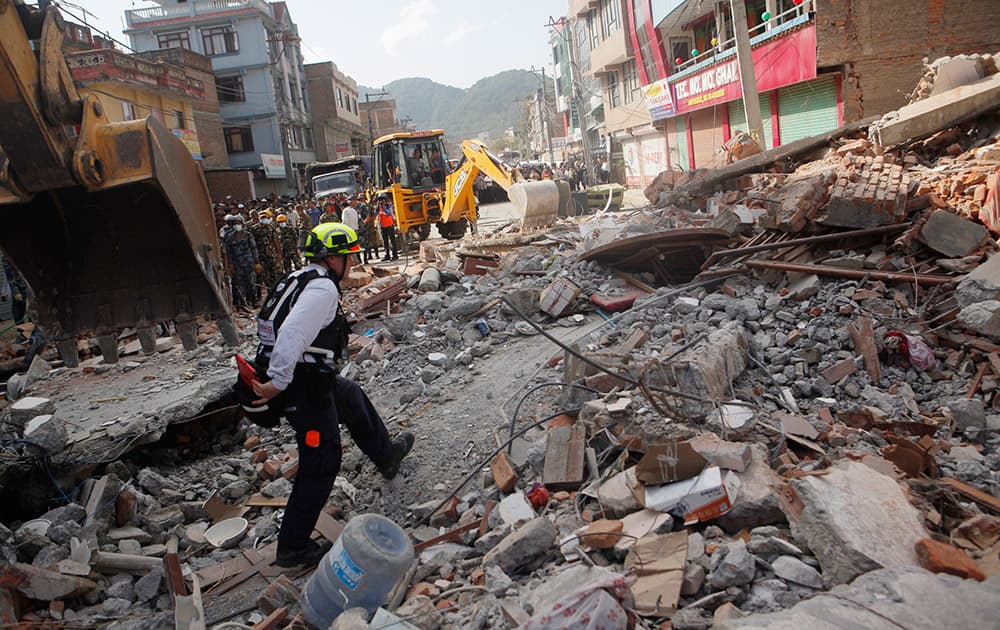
[
  {"x": 131, "y": 87},
  {"x": 669, "y": 78},
  {"x": 259, "y": 74},
  {"x": 335, "y": 114},
  {"x": 378, "y": 118}
]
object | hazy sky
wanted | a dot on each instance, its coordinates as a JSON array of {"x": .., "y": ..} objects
[{"x": 454, "y": 42}]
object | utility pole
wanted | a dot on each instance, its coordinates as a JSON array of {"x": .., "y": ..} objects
[
  {"x": 588, "y": 160},
  {"x": 545, "y": 121},
  {"x": 371, "y": 130},
  {"x": 748, "y": 80}
]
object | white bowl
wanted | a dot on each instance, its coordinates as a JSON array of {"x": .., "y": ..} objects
[
  {"x": 37, "y": 526},
  {"x": 227, "y": 533}
]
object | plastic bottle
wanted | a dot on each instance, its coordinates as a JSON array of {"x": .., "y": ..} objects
[{"x": 369, "y": 557}]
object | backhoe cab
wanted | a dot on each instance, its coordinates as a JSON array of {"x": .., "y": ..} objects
[{"x": 426, "y": 188}]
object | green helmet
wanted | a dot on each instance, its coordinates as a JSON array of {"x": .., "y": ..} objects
[{"x": 330, "y": 239}]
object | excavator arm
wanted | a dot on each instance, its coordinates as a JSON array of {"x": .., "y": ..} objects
[
  {"x": 536, "y": 203},
  {"x": 111, "y": 224}
]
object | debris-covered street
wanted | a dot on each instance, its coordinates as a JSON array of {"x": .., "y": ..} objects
[{"x": 764, "y": 395}]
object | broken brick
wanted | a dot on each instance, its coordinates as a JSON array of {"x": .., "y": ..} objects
[
  {"x": 940, "y": 557},
  {"x": 504, "y": 475},
  {"x": 602, "y": 534}
]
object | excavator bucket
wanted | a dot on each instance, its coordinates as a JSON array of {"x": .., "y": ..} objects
[
  {"x": 141, "y": 249},
  {"x": 535, "y": 203}
]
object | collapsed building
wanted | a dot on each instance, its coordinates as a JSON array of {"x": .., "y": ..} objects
[{"x": 770, "y": 398}]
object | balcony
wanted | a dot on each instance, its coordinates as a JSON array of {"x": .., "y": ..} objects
[
  {"x": 613, "y": 51},
  {"x": 776, "y": 27},
  {"x": 178, "y": 12},
  {"x": 580, "y": 8}
]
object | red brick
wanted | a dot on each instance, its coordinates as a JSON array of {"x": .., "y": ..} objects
[
  {"x": 602, "y": 534},
  {"x": 504, "y": 475},
  {"x": 840, "y": 370},
  {"x": 939, "y": 557},
  {"x": 270, "y": 469},
  {"x": 252, "y": 441},
  {"x": 259, "y": 456}
]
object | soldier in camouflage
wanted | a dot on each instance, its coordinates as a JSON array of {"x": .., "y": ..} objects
[
  {"x": 241, "y": 250},
  {"x": 289, "y": 236},
  {"x": 265, "y": 233}
]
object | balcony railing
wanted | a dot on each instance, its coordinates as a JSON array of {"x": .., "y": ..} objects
[
  {"x": 192, "y": 9},
  {"x": 774, "y": 27}
]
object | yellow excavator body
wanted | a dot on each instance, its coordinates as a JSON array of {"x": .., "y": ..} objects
[
  {"x": 426, "y": 189},
  {"x": 110, "y": 224}
]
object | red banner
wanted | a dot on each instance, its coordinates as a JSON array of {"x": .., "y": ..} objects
[{"x": 782, "y": 61}]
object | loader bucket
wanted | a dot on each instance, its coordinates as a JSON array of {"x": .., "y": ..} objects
[
  {"x": 536, "y": 203},
  {"x": 140, "y": 249}
]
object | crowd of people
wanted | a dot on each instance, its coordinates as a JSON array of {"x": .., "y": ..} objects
[
  {"x": 572, "y": 171},
  {"x": 261, "y": 238}
]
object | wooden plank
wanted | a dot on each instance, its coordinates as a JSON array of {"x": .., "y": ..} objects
[
  {"x": 259, "y": 500},
  {"x": 174, "y": 576},
  {"x": 329, "y": 527},
  {"x": 863, "y": 335},
  {"x": 977, "y": 380},
  {"x": 994, "y": 359},
  {"x": 986, "y": 500},
  {"x": 564, "y": 457},
  {"x": 275, "y": 620},
  {"x": 449, "y": 535}
]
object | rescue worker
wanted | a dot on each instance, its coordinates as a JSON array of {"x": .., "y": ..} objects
[
  {"x": 268, "y": 248},
  {"x": 387, "y": 223},
  {"x": 303, "y": 332},
  {"x": 230, "y": 220},
  {"x": 241, "y": 251},
  {"x": 289, "y": 237}
]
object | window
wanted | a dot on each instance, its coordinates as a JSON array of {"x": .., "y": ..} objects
[
  {"x": 176, "y": 120},
  {"x": 179, "y": 39},
  {"x": 128, "y": 111},
  {"x": 230, "y": 89},
  {"x": 630, "y": 76},
  {"x": 239, "y": 139},
  {"x": 593, "y": 23},
  {"x": 340, "y": 98},
  {"x": 613, "y": 96},
  {"x": 680, "y": 48},
  {"x": 641, "y": 12},
  {"x": 610, "y": 17},
  {"x": 219, "y": 40}
]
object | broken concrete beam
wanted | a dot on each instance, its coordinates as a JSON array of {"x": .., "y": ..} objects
[
  {"x": 525, "y": 548},
  {"x": 952, "y": 235},
  {"x": 43, "y": 584},
  {"x": 706, "y": 370},
  {"x": 924, "y": 118},
  {"x": 856, "y": 520},
  {"x": 48, "y": 431},
  {"x": 29, "y": 407},
  {"x": 430, "y": 280},
  {"x": 904, "y": 597},
  {"x": 756, "y": 501}
]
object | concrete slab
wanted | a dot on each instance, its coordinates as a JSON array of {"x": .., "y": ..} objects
[
  {"x": 923, "y": 118},
  {"x": 888, "y": 599}
]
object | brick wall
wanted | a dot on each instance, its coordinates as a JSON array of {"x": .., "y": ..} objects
[
  {"x": 323, "y": 105},
  {"x": 230, "y": 183},
  {"x": 880, "y": 44}
]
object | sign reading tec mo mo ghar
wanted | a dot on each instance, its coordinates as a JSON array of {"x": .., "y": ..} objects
[{"x": 781, "y": 61}]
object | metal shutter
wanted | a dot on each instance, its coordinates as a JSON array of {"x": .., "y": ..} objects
[
  {"x": 807, "y": 109},
  {"x": 681, "y": 142},
  {"x": 706, "y": 130},
  {"x": 738, "y": 118}
]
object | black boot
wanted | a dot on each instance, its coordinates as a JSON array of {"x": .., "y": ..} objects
[
  {"x": 307, "y": 556},
  {"x": 400, "y": 447}
]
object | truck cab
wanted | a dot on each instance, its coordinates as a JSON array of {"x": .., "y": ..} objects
[{"x": 349, "y": 176}]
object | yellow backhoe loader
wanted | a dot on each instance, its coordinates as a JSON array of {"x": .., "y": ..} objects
[
  {"x": 413, "y": 168},
  {"x": 110, "y": 223}
]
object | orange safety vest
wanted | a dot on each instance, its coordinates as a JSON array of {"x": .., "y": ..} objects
[{"x": 385, "y": 218}]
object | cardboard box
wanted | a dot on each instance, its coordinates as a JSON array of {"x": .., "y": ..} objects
[
  {"x": 702, "y": 498},
  {"x": 558, "y": 296}
]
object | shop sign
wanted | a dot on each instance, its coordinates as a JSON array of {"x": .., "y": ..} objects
[
  {"x": 779, "y": 62},
  {"x": 659, "y": 101},
  {"x": 274, "y": 165},
  {"x": 190, "y": 139}
]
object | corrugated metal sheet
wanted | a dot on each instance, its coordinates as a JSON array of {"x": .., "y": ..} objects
[
  {"x": 738, "y": 118},
  {"x": 807, "y": 109}
]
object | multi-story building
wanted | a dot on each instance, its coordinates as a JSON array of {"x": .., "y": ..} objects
[
  {"x": 670, "y": 79},
  {"x": 259, "y": 75},
  {"x": 378, "y": 118},
  {"x": 130, "y": 87},
  {"x": 336, "y": 118}
]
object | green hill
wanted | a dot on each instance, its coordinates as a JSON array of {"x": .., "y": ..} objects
[{"x": 490, "y": 106}]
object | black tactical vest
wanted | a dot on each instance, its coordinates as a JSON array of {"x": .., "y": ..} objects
[{"x": 330, "y": 343}]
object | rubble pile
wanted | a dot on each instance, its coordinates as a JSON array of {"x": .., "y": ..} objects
[{"x": 802, "y": 430}]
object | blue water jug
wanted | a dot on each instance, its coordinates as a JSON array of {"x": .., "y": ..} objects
[{"x": 364, "y": 565}]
